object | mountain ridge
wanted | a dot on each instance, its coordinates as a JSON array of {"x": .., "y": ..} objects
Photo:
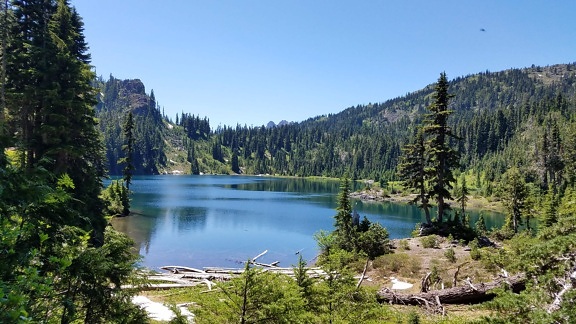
[{"x": 363, "y": 140}]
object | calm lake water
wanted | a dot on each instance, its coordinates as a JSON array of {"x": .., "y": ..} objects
[{"x": 199, "y": 221}]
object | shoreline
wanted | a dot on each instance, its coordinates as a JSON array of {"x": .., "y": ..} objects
[{"x": 378, "y": 196}]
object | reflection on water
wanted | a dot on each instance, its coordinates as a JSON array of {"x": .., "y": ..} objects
[{"x": 224, "y": 220}]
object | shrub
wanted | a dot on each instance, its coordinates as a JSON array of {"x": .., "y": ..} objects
[
  {"x": 475, "y": 254},
  {"x": 403, "y": 244},
  {"x": 413, "y": 318},
  {"x": 474, "y": 250},
  {"x": 450, "y": 255},
  {"x": 430, "y": 241},
  {"x": 374, "y": 242}
]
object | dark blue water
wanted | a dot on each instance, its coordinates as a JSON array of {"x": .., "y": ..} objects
[{"x": 199, "y": 221}]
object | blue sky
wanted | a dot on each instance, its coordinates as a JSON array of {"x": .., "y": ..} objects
[{"x": 250, "y": 62}]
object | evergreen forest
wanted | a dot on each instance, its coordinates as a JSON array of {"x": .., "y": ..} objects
[
  {"x": 507, "y": 136},
  {"x": 59, "y": 260}
]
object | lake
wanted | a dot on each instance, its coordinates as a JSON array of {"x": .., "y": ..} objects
[{"x": 199, "y": 221}]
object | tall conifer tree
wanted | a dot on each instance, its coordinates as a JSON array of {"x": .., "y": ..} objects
[
  {"x": 442, "y": 158},
  {"x": 128, "y": 148},
  {"x": 412, "y": 170}
]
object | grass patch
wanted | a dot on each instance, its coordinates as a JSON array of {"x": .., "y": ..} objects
[{"x": 398, "y": 263}]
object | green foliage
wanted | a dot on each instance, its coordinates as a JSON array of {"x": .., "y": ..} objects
[
  {"x": 116, "y": 198},
  {"x": 128, "y": 149},
  {"x": 259, "y": 296},
  {"x": 138, "y": 141},
  {"x": 59, "y": 261},
  {"x": 413, "y": 318},
  {"x": 344, "y": 228},
  {"x": 351, "y": 235},
  {"x": 514, "y": 194},
  {"x": 474, "y": 250},
  {"x": 374, "y": 242},
  {"x": 403, "y": 244},
  {"x": 412, "y": 169},
  {"x": 442, "y": 158},
  {"x": 461, "y": 193},
  {"x": 480, "y": 225},
  {"x": 450, "y": 255},
  {"x": 39, "y": 242},
  {"x": 430, "y": 242},
  {"x": 548, "y": 259},
  {"x": 550, "y": 208}
]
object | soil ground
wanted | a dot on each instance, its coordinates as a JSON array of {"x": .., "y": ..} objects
[{"x": 411, "y": 261}]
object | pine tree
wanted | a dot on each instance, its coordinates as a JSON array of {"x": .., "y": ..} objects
[
  {"x": 514, "y": 195},
  {"x": 462, "y": 193},
  {"x": 4, "y": 39},
  {"x": 49, "y": 94},
  {"x": 128, "y": 148},
  {"x": 235, "y": 165},
  {"x": 442, "y": 158},
  {"x": 343, "y": 225},
  {"x": 480, "y": 225},
  {"x": 54, "y": 191},
  {"x": 412, "y": 171},
  {"x": 550, "y": 207}
]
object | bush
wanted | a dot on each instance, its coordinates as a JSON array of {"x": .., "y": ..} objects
[
  {"x": 475, "y": 254},
  {"x": 430, "y": 241},
  {"x": 474, "y": 250},
  {"x": 403, "y": 244},
  {"x": 450, "y": 255},
  {"x": 413, "y": 318},
  {"x": 374, "y": 242},
  {"x": 400, "y": 263}
]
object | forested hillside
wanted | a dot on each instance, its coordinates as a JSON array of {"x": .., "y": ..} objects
[
  {"x": 492, "y": 111},
  {"x": 116, "y": 99}
]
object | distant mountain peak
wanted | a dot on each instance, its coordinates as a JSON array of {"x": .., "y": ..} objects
[{"x": 272, "y": 124}]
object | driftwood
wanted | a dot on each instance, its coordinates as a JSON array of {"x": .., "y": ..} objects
[
  {"x": 259, "y": 255},
  {"x": 178, "y": 269},
  {"x": 363, "y": 274},
  {"x": 469, "y": 294}
]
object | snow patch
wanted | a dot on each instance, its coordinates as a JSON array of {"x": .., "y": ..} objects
[
  {"x": 397, "y": 284},
  {"x": 158, "y": 311}
]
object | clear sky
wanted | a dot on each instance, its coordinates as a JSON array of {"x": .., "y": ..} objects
[{"x": 254, "y": 61}]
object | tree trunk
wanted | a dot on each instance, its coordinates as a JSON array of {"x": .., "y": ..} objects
[{"x": 470, "y": 294}]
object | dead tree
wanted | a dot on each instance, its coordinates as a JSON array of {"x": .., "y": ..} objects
[{"x": 469, "y": 294}]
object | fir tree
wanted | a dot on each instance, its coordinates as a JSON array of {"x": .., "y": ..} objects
[
  {"x": 550, "y": 207},
  {"x": 128, "y": 148},
  {"x": 343, "y": 225},
  {"x": 514, "y": 195},
  {"x": 442, "y": 158},
  {"x": 462, "y": 193},
  {"x": 235, "y": 165},
  {"x": 412, "y": 170}
]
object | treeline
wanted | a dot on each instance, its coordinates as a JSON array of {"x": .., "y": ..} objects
[
  {"x": 59, "y": 261},
  {"x": 365, "y": 141}
]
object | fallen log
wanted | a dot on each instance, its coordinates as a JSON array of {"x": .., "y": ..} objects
[
  {"x": 159, "y": 286},
  {"x": 470, "y": 294},
  {"x": 259, "y": 255},
  {"x": 178, "y": 269}
]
